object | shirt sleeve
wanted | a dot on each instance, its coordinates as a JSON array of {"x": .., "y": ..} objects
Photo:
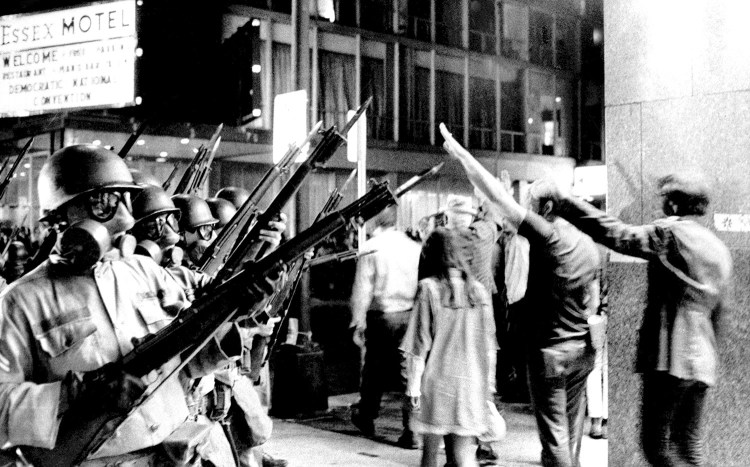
[
  {"x": 29, "y": 412},
  {"x": 644, "y": 241},
  {"x": 362, "y": 290}
]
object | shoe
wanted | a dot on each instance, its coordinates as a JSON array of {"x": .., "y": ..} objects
[
  {"x": 269, "y": 461},
  {"x": 367, "y": 427},
  {"x": 604, "y": 429},
  {"x": 486, "y": 455},
  {"x": 407, "y": 440}
]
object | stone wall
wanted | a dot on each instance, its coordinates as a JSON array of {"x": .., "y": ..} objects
[{"x": 677, "y": 93}]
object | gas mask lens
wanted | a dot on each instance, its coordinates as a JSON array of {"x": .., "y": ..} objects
[
  {"x": 103, "y": 204},
  {"x": 204, "y": 232},
  {"x": 153, "y": 229}
]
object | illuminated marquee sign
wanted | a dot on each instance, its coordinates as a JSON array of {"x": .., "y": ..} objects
[{"x": 67, "y": 59}]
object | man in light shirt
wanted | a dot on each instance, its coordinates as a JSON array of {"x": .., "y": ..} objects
[{"x": 385, "y": 285}]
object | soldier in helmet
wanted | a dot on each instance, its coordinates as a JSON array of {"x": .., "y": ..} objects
[
  {"x": 83, "y": 308},
  {"x": 221, "y": 209},
  {"x": 235, "y": 195},
  {"x": 157, "y": 226},
  {"x": 196, "y": 225}
]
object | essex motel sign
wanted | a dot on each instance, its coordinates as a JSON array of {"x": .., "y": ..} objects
[{"x": 75, "y": 58}]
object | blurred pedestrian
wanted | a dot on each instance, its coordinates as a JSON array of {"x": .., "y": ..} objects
[
  {"x": 452, "y": 331},
  {"x": 690, "y": 281},
  {"x": 562, "y": 268},
  {"x": 385, "y": 285}
]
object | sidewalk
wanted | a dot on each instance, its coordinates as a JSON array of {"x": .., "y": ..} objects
[{"x": 331, "y": 440}]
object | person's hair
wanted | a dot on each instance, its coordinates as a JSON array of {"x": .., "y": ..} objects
[
  {"x": 688, "y": 190},
  {"x": 386, "y": 218},
  {"x": 440, "y": 254},
  {"x": 539, "y": 191}
]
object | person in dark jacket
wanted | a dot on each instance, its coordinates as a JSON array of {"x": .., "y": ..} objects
[{"x": 690, "y": 273}]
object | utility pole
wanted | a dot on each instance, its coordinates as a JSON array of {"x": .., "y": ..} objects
[{"x": 301, "y": 73}]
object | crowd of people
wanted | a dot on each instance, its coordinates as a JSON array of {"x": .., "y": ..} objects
[
  {"x": 472, "y": 303},
  {"x": 434, "y": 317}
]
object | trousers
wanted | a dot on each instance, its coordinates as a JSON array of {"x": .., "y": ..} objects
[
  {"x": 384, "y": 363},
  {"x": 672, "y": 420},
  {"x": 557, "y": 384}
]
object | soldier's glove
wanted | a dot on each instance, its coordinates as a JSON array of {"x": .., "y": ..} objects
[{"x": 104, "y": 390}]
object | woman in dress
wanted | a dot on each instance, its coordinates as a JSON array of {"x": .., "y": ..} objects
[{"x": 451, "y": 335}]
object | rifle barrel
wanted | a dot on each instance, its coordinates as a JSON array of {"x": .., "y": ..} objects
[
  {"x": 417, "y": 179},
  {"x": 131, "y": 140}
]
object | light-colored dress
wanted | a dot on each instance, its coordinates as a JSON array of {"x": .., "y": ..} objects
[{"x": 458, "y": 344}]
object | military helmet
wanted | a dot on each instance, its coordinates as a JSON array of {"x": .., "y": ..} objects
[
  {"x": 80, "y": 169},
  {"x": 222, "y": 210},
  {"x": 195, "y": 212},
  {"x": 152, "y": 201},
  {"x": 235, "y": 195},
  {"x": 143, "y": 179}
]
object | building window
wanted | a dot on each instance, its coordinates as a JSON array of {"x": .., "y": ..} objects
[
  {"x": 418, "y": 20},
  {"x": 346, "y": 12},
  {"x": 283, "y": 80},
  {"x": 566, "y": 44},
  {"x": 379, "y": 125},
  {"x": 418, "y": 124},
  {"x": 541, "y": 115},
  {"x": 512, "y": 135},
  {"x": 482, "y": 26},
  {"x": 565, "y": 106},
  {"x": 375, "y": 15},
  {"x": 282, "y": 6},
  {"x": 515, "y": 25},
  {"x": 449, "y": 102},
  {"x": 448, "y": 22},
  {"x": 540, "y": 38},
  {"x": 482, "y": 116},
  {"x": 336, "y": 88}
]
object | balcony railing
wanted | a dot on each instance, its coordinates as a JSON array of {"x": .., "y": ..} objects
[
  {"x": 448, "y": 35},
  {"x": 512, "y": 141},
  {"x": 482, "y": 41},
  {"x": 418, "y": 131},
  {"x": 482, "y": 138},
  {"x": 419, "y": 28}
]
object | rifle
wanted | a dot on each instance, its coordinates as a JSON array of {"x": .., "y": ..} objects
[
  {"x": 249, "y": 248},
  {"x": 338, "y": 257},
  {"x": 220, "y": 249},
  {"x": 131, "y": 140},
  {"x": 283, "y": 299},
  {"x": 168, "y": 182},
  {"x": 197, "y": 170},
  {"x": 185, "y": 336},
  {"x": 6, "y": 181}
]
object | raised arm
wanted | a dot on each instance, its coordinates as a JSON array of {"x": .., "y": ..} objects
[{"x": 483, "y": 180}]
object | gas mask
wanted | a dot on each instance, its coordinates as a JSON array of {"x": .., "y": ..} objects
[{"x": 85, "y": 242}]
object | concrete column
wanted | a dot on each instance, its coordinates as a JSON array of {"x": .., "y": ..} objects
[{"x": 677, "y": 95}]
